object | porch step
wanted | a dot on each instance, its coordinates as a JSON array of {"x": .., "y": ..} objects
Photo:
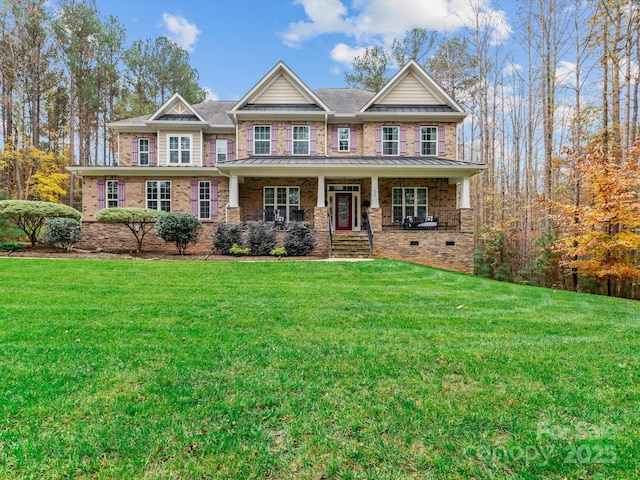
[{"x": 351, "y": 245}]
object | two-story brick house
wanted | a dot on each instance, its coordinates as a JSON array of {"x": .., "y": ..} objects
[{"x": 285, "y": 153}]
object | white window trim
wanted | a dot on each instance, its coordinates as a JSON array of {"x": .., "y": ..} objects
[
  {"x": 107, "y": 200},
  {"x": 275, "y": 203},
  {"x": 404, "y": 206},
  {"x": 397, "y": 141},
  {"x": 224, "y": 143},
  {"x": 159, "y": 200},
  {"x": 201, "y": 201},
  {"x": 348, "y": 149},
  {"x": 267, "y": 141},
  {"x": 306, "y": 141},
  {"x": 434, "y": 142},
  {"x": 179, "y": 136}
]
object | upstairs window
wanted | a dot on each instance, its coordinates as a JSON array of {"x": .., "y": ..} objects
[
  {"x": 390, "y": 137},
  {"x": 112, "y": 193},
  {"x": 429, "y": 140},
  {"x": 143, "y": 151},
  {"x": 221, "y": 150},
  {"x": 301, "y": 140},
  {"x": 262, "y": 140},
  {"x": 344, "y": 135},
  {"x": 179, "y": 149}
]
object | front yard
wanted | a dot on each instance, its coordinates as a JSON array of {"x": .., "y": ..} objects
[{"x": 381, "y": 370}]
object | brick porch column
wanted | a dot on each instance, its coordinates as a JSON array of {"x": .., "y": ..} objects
[
  {"x": 320, "y": 220},
  {"x": 375, "y": 219},
  {"x": 234, "y": 215},
  {"x": 466, "y": 220}
]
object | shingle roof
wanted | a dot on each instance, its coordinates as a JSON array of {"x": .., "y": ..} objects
[{"x": 344, "y": 100}]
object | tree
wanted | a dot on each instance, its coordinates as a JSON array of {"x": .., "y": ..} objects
[
  {"x": 416, "y": 45},
  {"x": 139, "y": 221},
  {"x": 179, "y": 228},
  {"x": 30, "y": 216},
  {"x": 370, "y": 70}
]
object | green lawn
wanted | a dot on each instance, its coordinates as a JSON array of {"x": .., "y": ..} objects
[{"x": 309, "y": 370}]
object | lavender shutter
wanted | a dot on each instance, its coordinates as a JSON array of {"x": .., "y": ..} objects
[
  {"x": 416, "y": 140},
  {"x": 121, "y": 203},
  {"x": 334, "y": 139},
  {"x": 101, "y": 194},
  {"x": 194, "y": 198},
  {"x": 134, "y": 151},
  {"x": 441, "y": 147},
  {"x": 288, "y": 139},
  {"x": 214, "y": 199},
  {"x": 249, "y": 139},
  {"x": 152, "y": 152},
  {"x": 403, "y": 140},
  {"x": 230, "y": 149},
  {"x": 313, "y": 140},
  {"x": 378, "y": 139},
  {"x": 212, "y": 152},
  {"x": 353, "y": 134},
  {"x": 274, "y": 139}
]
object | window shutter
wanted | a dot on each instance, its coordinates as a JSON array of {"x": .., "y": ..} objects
[
  {"x": 230, "y": 151},
  {"x": 416, "y": 140},
  {"x": 441, "y": 147},
  {"x": 288, "y": 139},
  {"x": 334, "y": 139},
  {"x": 101, "y": 194},
  {"x": 249, "y": 139},
  {"x": 121, "y": 193},
  {"x": 353, "y": 134},
  {"x": 378, "y": 139},
  {"x": 212, "y": 152},
  {"x": 312, "y": 139},
  {"x": 134, "y": 151},
  {"x": 214, "y": 199},
  {"x": 403, "y": 140},
  {"x": 152, "y": 152},
  {"x": 274, "y": 139},
  {"x": 194, "y": 197}
]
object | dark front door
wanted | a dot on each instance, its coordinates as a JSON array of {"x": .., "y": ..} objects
[{"x": 343, "y": 211}]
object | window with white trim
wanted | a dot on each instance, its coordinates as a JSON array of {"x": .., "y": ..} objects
[
  {"x": 143, "y": 151},
  {"x": 429, "y": 140},
  {"x": 159, "y": 195},
  {"x": 262, "y": 139},
  {"x": 204, "y": 200},
  {"x": 390, "y": 139},
  {"x": 221, "y": 150},
  {"x": 112, "y": 193},
  {"x": 301, "y": 140},
  {"x": 409, "y": 202},
  {"x": 179, "y": 148},
  {"x": 282, "y": 202},
  {"x": 344, "y": 139}
]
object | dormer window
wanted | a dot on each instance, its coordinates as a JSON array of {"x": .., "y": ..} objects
[
  {"x": 390, "y": 138},
  {"x": 262, "y": 140},
  {"x": 179, "y": 147}
]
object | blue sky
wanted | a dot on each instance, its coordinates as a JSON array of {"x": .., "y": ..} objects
[{"x": 233, "y": 43}]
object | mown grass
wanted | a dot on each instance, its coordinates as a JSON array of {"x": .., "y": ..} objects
[{"x": 381, "y": 370}]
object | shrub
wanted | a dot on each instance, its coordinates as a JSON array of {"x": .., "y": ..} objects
[
  {"x": 139, "y": 221},
  {"x": 29, "y": 216},
  {"x": 278, "y": 252},
  {"x": 300, "y": 239},
  {"x": 63, "y": 232},
  {"x": 238, "y": 251},
  {"x": 179, "y": 228},
  {"x": 227, "y": 234},
  {"x": 11, "y": 246},
  {"x": 260, "y": 237}
]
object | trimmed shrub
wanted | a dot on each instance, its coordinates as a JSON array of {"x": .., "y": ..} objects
[
  {"x": 238, "y": 251},
  {"x": 260, "y": 237},
  {"x": 179, "y": 228},
  {"x": 139, "y": 221},
  {"x": 278, "y": 252},
  {"x": 11, "y": 246},
  {"x": 63, "y": 232},
  {"x": 30, "y": 216},
  {"x": 300, "y": 239},
  {"x": 227, "y": 234}
]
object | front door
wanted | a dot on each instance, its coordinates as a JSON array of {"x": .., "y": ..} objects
[{"x": 344, "y": 209}]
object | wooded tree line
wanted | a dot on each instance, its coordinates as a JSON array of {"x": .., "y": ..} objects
[
  {"x": 64, "y": 74},
  {"x": 554, "y": 114}
]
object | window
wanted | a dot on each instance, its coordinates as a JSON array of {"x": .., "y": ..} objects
[
  {"x": 283, "y": 200},
  {"x": 112, "y": 193},
  {"x": 390, "y": 140},
  {"x": 429, "y": 140},
  {"x": 159, "y": 195},
  {"x": 409, "y": 202},
  {"x": 262, "y": 139},
  {"x": 204, "y": 199},
  {"x": 143, "y": 151},
  {"x": 343, "y": 139},
  {"x": 221, "y": 150},
  {"x": 301, "y": 140},
  {"x": 180, "y": 149}
]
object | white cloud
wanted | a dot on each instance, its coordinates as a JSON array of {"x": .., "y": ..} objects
[
  {"x": 343, "y": 53},
  {"x": 181, "y": 31},
  {"x": 566, "y": 73},
  {"x": 325, "y": 16},
  {"x": 211, "y": 95},
  {"x": 512, "y": 69}
]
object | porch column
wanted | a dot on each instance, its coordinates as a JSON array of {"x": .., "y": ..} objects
[
  {"x": 233, "y": 192},
  {"x": 375, "y": 196},
  {"x": 465, "y": 196},
  {"x": 321, "y": 199}
]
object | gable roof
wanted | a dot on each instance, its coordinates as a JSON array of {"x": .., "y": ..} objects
[{"x": 176, "y": 109}]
